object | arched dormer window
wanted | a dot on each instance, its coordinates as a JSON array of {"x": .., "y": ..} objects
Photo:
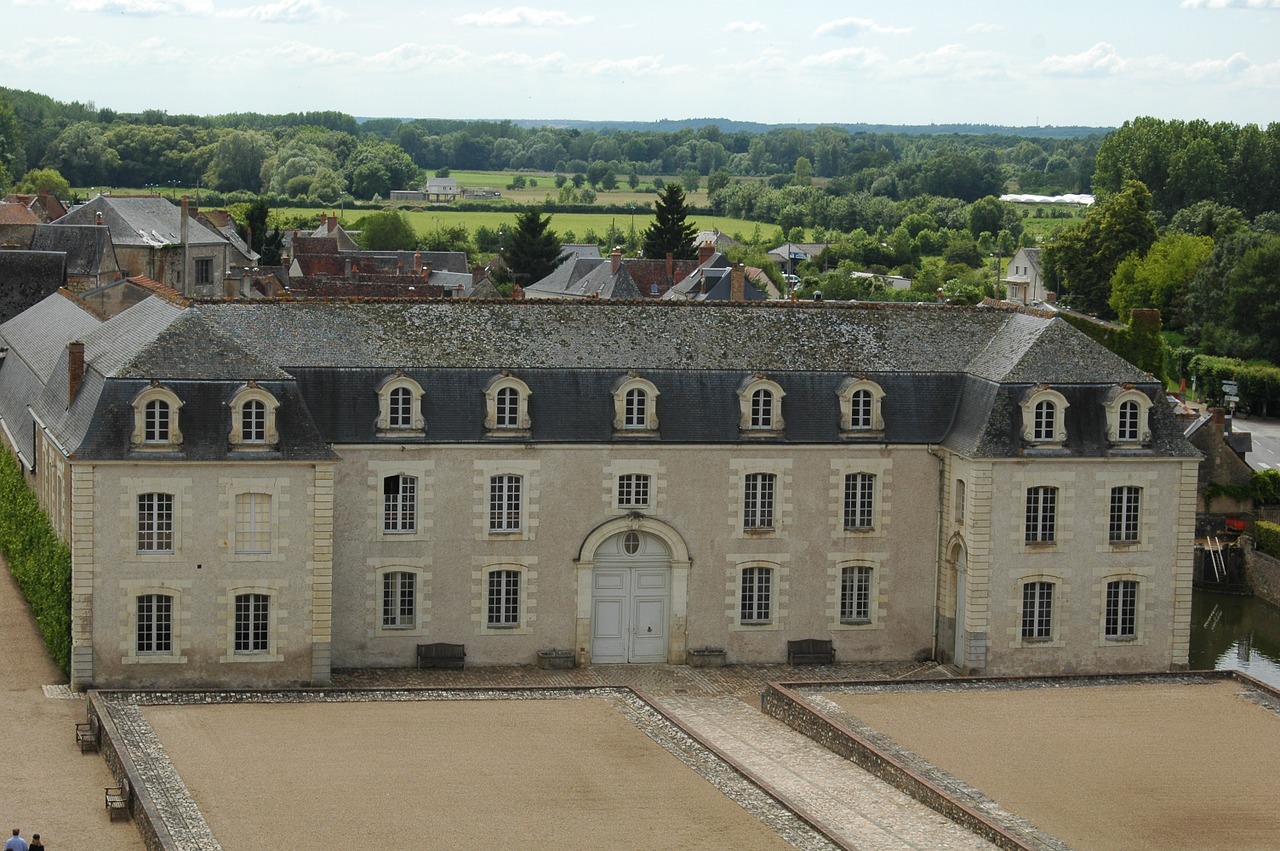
[
  {"x": 506, "y": 407},
  {"x": 253, "y": 419},
  {"x": 1128, "y": 416},
  {"x": 635, "y": 407},
  {"x": 860, "y": 412},
  {"x": 155, "y": 419},
  {"x": 760, "y": 407},
  {"x": 400, "y": 405},
  {"x": 1044, "y": 416}
]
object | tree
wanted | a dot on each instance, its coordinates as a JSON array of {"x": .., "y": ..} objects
[
  {"x": 258, "y": 233},
  {"x": 1161, "y": 278},
  {"x": 44, "y": 178},
  {"x": 238, "y": 158},
  {"x": 533, "y": 250},
  {"x": 13, "y": 160},
  {"x": 671, "y": 232},
  {"x": 1234, "y": 300},
  {"x": 386, "y": 230},
  {"x": 80, "y": 154}
]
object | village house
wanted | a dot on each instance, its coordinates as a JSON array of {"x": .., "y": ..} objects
[
  {"x": 1024, "y": 279},
  {"x": 265, "y": 491}
]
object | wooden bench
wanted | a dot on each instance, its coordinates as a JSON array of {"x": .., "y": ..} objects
[
  {"x": 117, "y": 800},
  {"x": 811, "y": 651},
  {"x": 441, "y": 655},
  {"x": 87, "y": 736}
]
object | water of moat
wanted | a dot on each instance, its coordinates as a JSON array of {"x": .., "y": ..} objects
[{"x": 1238, "y": 633}]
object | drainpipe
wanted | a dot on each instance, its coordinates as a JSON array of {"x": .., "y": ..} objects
[
  {"x": 941, "y": 555},
  {"x": 188, "y": 285}
]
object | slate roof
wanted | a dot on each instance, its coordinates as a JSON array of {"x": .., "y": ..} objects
[
  {"x": 28, "y": 276},
  {"x": 88, "y": 247},
  {"x": 13, "y": 213},
  {"x": 141, "y": 220},
  {"x": 564, "y": 281}
]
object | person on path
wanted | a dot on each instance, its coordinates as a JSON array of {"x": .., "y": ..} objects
[
  {"x": 16, "y": 842},
  {"x": 36, "y": 844}
]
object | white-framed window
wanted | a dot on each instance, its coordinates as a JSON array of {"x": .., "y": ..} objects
[
  {"x": 253, "y": 418},
  {"x": 399, "y": 600},
  {"x": 859, "y": 501},
  {"x": 760, "y": 407},
  {"x": 860, "y": 407},
  {"x": 507, "y": 406},
  {"x": 1120, "y": 620},
  {"x": 155, "y": 522},
  {"x": 252, "y": 630},
  {"x": 1125, "y": 520},
  {"x": 399, "y": 504},
  {"x": 1128, "y": 416},
  {"x": 635, "y": 406},
  {"x": 155, "y": 419},
  {"x": 253, "y": 523},
  {"x": 502, "y": 599},
  {"x": 756, "y": 596},
  {"x": 1042, "y": 515},
  {"x": 1044, "y": 416},
  {"x": 504, "y": 502},
  {"x": 1037, "y": 611},
  {"x": 959, "y": 497},
  {"x": 400, "y": 405},
  {"x": 855, "y": 594},
  {"x": 154, "y": 624},
  {"x": 757, "y": 500},
  {"x": 633, "y": 490}
]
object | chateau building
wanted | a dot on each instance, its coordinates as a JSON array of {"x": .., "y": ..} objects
[{"x": 255, "y": 494}]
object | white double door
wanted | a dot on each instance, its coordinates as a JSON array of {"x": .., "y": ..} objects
[{"x": 629, "y": 612}]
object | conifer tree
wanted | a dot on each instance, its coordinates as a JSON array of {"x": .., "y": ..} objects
[
  {"x": 671, "y": 230},
  {"x": 533, "y": 250}
]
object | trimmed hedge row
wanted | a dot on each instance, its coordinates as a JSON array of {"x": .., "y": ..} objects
[
  {"x": 1139, "y": 342},
  {"x": 37, "y": 559},
  {"x": 1259, "y": 383},
  {"x": 1266, "y": 537}
]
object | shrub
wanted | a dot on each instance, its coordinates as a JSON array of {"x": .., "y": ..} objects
[{"x": 1267, "y": 538}]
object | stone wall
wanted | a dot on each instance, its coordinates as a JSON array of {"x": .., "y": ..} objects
[{"x": 1263, "y": 573}]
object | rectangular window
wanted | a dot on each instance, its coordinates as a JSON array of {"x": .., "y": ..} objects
[
  {"x": 155, "y": 623},
  {"x": 156, "y": 422},
  {"x": 400, "y": 408},
  {"x": 1126, "y": 503},
  {"x": 757, "y": 501},
  {"x": 1042, "y": 515},
  {"x": 757, "y": 595},
  {"x": 504, "y": 598},
  {"x": 253, "y": 523},
  {"x": 507, "y": 408},
  {"x": 959, "y": 498},
  {"x": 855, "y": 594},
  {"x": 1037, "y": 611},
  {"x": 860, "y": 410},
  {"x": 635, "y": 409},
  {"x": 762, "y": 409},
  {"x": 253, "y": 619},
  {"x": 633, "y": 490},
  {"x": 504, "y": 504},
  {"x": 204, "y": 270},
  {"x": 398, "y": 599},
  {"x": 1122, "y": 609},
  {"x": 1127, "y": 428},
  {"x": 399, "y": 504},
  {"x": 1046, "y": 420},
  {"x": 859, "y": 501},
  {"x": 155, "y": 522},
  {"x": 253, "y": 421}
]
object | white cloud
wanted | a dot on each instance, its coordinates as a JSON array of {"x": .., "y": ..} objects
[
  {"x": 142, "y": 7},
  {"x": 1231, "y": 4},
  {"x": 984, "y": 27},
  {"x": 1233, "y": 66},
  {"x": 953, "y": 60},
  {"x": 1098, "y": 61},
  {"x": 521, "y": 16},
  {"x": 744, "y": 27},
  {"x": 287, "y": 12},
  {"x": 857, "y": 57},
  {"x": 636, "y": 66},
  {"x": 849, "y": 27},
  {"x": 297, "y": 53}
]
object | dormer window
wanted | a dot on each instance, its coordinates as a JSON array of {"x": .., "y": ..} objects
[
  {"x": 635, "y": 407},
  {"x": 507, "y": 407},
  {"x": 253, "y": 419},
  {"x": 1128, "y": 416},
  {"x": 1044, "y": 416},
  {"x": 760, "y": 404},
  {"x": 155, "y": 419},
  {"x": 400, "y": 406},
  {"x": 860, "y": 409}
]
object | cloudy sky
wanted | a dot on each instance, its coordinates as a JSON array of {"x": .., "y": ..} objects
[{"x": 1084, "y": 62}]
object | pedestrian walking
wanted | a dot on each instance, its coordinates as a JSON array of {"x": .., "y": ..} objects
[
  {"x": 16, "y": 842},
  {"x": 36, "y": 844}
]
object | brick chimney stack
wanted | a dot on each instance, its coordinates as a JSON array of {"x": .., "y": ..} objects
[
  {"x": 671, "y": 265},
  {"x": 705, "y": 250},
  {"x": 738, "y": 283},
  {"x": 331, "y": 222},
  {"x": 615, "y": 261},
  {"x": 75, "y": 369}
]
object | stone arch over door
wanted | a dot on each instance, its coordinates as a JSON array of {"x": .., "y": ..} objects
[
  {"x": 594, "y": 551},
  {"x": 952, "y": 604}
]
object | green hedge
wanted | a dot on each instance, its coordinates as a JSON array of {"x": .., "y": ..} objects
[
  {"x": 1139, "y": 342},
  {"x": 1267, "y": 538},
  {"x": 37, "y": 558},
  {"x": 1259, "y": 383}
]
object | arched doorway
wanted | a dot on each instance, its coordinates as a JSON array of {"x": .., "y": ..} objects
[
  {"x": 961, "y": 574},
  {"x": 632, "y": 588}
]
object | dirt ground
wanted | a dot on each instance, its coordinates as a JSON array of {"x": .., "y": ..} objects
[
  {"x": 444, "y": 774},
  {"x": 1107, "y": 767},
  {"x": 49, "y": 787}
]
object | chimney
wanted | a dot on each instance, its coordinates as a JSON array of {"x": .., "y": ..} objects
[
  {"x": 517, "y": 292},
  {"x": 332, "y": 222},
  {"x": 705, "y": 250},
  {"x": 350, "y": 271},
  {"x": 417, "y": 262},
  {"x": 738, "y": 283},
  {"x": 399, "y": 266},
  {"x": 187, "y": 278},
  {"x": 615, "y": 261},
  {"x": 97, "y": 218},
  {"x": 75, "y": 369},
  {"x": 670, "y": 265},
  {"x": 426, "y": 270}
]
